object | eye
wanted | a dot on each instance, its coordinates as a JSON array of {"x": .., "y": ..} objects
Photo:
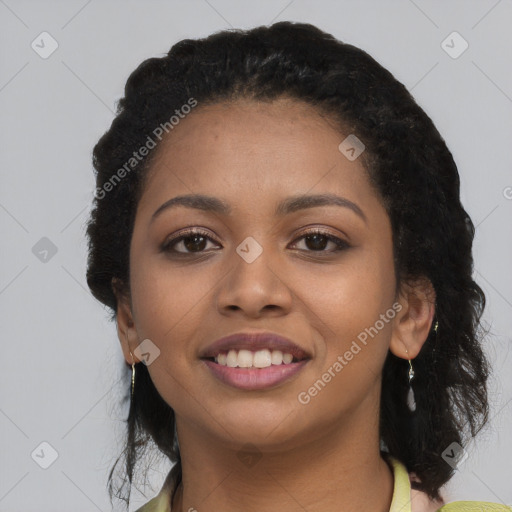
[
  {"x": 192, "y": 241},
  {"x": 316, "y": 240},
  {"x": 188, "y": 242}
]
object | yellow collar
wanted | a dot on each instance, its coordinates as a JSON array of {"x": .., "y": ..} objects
[{"x": 401, "y": 501}]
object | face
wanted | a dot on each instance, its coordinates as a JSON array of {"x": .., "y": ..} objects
[{"x": 318, "y": 273}]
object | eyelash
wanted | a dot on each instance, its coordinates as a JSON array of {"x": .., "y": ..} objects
[{"x": 168, "y": 246}]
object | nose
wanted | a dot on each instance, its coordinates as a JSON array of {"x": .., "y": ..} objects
[{"x": 254, "y": 289}]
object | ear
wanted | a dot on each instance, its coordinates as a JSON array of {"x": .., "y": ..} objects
[
  {"x": 412, "y": 323},
  {"x": 126, "y": 330}
]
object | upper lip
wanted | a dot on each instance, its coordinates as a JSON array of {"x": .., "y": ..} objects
[{"x": 254, "y": 342}]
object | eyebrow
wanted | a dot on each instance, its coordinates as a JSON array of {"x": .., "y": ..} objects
[{"x": 289, "y": 205}]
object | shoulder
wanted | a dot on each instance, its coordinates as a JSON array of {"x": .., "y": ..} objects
[
  {"x": 420, "y": 502},
  {"x": 414, "y": 500},
  {"x": 161, "y": 502},
  {"x": 475, "y": 506},
  {"x": 158, "y": 504}
]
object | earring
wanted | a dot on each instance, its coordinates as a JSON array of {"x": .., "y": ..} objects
[
  {"x": 133, "y": 376},
  {"x": 411, "y": 401},
  {"x": 434, "y": 352}
]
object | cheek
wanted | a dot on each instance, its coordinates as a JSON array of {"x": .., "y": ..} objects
[
  {"x": 353, "y": 311},
  {"x": 165, "y": 312},
  {"x": 166, "y": 300},
  {"x": 168, "y": 309},
  {"x": 347, "y": 311},
  {"x": 354, "y": 294}
]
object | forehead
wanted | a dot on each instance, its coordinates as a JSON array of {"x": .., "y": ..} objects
[
  {"x": 261, "y": 127},
  {"x": 245, "y": 146}
]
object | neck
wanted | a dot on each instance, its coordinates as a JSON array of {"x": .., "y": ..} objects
[{"x": 339, "y": 470}]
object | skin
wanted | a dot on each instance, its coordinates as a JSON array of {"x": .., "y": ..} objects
[{"x": 322, "y": 456}]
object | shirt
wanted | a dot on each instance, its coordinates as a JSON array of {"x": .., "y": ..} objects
[{"x": 401, "y": 501}]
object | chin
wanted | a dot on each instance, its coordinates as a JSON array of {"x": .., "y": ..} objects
[{"x": 269, "y": 424}]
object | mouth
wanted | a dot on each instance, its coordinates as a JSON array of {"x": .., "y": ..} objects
[
  {"x": 247, "y": 359},
  {"x": 252, "y": 361}
]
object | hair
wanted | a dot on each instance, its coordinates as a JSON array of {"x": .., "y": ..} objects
[{"x": 407, "y": 161}]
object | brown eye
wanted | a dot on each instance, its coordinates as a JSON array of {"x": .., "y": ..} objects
[
  {"x": 318, "y": 240},
  {"x": 189, "y": 242}
]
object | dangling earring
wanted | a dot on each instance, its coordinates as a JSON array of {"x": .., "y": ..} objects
[
  {"x": 434, "y": 352},
  {"x": 411, "y": 401},
  {"x": 133, "y": 368},
  {"x": 133, "y": 376}
]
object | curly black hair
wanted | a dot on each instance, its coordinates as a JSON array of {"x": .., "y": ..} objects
[{"x": 410, "y": 166}]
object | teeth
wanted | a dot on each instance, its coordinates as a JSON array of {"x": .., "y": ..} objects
[
  {"x": 277, "y": 357},
  {"x": 262, "y": 359},
  {"x": 244, "y": 358},
  {"x": 231, "y": 359},
  {"x": 287, "y": 358},
  {"x": 247, "y": 359}
]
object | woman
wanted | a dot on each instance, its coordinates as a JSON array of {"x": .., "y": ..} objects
[{"x": 278, "y": 232}]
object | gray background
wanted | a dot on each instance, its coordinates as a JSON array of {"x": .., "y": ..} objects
[{"x": 62, "y": 370}]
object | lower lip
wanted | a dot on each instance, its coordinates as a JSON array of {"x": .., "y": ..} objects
[{"x": 254, "y": 378}]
